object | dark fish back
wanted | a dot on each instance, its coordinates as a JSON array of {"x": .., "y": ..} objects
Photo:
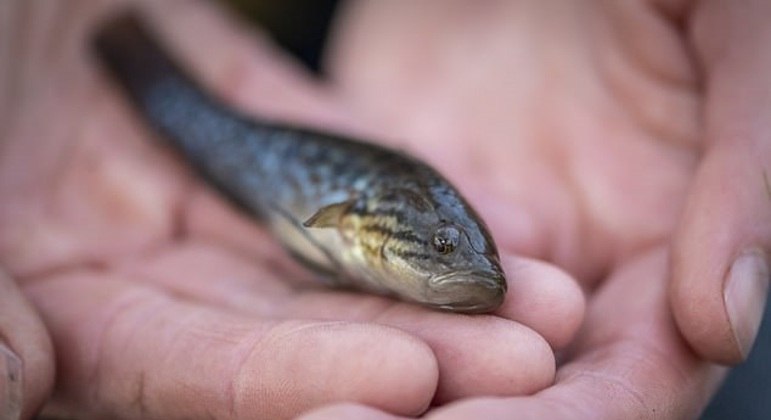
[{"x": 250, "y": 160}]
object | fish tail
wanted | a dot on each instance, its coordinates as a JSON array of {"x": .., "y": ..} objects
[
  {"x": 166, "y": 96},
  {"x": 128, "y": 51},
  {"x": 217, "y": 141}
]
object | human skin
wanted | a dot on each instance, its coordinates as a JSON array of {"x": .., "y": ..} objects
[
  {"x": 576, "y": 141},
  {"x": 161, "y": 300},
  {"x": 642, "y": 124}
]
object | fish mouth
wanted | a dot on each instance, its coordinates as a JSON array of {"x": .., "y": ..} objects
[{"x": 467, "y": 292}]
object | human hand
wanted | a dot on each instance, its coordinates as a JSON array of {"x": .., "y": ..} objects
[
  {"x": 26, "y": 356},
  {"x": 578, "y": 126},
  {"x": 629, "y": 362},
  {"x": 723, "y": 243},
  {"x": 164, "y": 303}
]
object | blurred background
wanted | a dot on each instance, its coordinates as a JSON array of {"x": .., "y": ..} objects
[
  {"x": 298, "y": 26},
  {"x": 301, "y": 27}
]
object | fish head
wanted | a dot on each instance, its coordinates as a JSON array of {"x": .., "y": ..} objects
[{"x": 443, "y": 257}]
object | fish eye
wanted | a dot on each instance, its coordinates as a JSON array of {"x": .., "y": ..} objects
[{"x": 446, "y": 239}]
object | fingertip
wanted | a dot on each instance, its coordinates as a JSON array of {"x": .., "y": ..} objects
[
  {"x": 501, "y": 357},
  {"x": 404, "y": 372},
  {"x": 701, "y": 321},
  {"x": 719, "y": 313},
  {"x": 745, "y": 293},
  {"x": 544, "y": 298}
]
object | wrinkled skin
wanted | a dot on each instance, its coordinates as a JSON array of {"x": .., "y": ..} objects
[{"x": 576, "y": 141}]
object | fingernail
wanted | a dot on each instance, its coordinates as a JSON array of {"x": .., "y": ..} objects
[
  {"x": 745, "y": 294},
  {"x": 10, "y": 384}
]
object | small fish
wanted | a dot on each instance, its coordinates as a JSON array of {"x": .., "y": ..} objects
[{"x": 367, "y": 217}]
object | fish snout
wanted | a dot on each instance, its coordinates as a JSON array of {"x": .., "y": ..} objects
[{"x": 468, "y": 292}]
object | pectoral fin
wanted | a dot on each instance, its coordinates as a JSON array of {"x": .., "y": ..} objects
[
  {"x": 328, "y": 216},
  {"x": 303, "y": 245}
]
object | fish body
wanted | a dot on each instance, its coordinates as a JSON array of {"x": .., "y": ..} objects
[{"x": 368, "y": 217}]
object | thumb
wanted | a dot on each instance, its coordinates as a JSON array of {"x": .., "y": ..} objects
[
  {"x": 720, "y": 254},
  {"x": 721, "y": 249}
]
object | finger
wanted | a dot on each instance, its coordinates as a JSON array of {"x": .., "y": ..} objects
[
  {"x": 26, "y": 355},
  {"x": 720, "y": 272},
  {"x": 544, "y": 298},
  {"x": 631, "y": 363},
  {"x": 477, "y": 355},
  {"x": 128, "y": 349},
  {"x": 515, "y": 360},
  {"x": 721, "y": 250}
]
